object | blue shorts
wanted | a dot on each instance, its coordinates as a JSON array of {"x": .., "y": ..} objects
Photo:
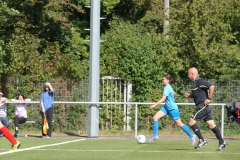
[
  {"x": 4, "y": 121},
  {"x": 173, "y": 113}
]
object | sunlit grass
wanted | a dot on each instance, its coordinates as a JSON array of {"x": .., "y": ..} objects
[{"x": 116, "y": 148}]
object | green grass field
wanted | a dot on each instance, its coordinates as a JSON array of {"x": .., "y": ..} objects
[{"x": 115, "y": 148}]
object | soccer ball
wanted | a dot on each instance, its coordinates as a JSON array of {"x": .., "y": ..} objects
[{"x": 141, "y": 139}]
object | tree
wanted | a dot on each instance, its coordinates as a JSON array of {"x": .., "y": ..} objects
[
  {"x": 202, "y": 33},
  {"x": 7, "y": 21},
  {"x": 44, "y": 31}
]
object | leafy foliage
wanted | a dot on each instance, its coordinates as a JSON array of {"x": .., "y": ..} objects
[
  {"x": 201, "y": 32},
  {"x": 43, "y": 31},
  {"x": 44, "y": 39}
]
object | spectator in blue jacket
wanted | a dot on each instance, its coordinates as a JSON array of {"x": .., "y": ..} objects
[{"x": 46, "y": 101}]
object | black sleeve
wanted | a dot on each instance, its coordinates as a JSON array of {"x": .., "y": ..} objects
[{"x": 204, "y": 84}]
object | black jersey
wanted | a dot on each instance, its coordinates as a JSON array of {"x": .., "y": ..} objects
[{"x": 200, "y": 90}]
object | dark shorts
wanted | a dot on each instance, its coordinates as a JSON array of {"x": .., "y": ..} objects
[{"x": 202, "y": 113}]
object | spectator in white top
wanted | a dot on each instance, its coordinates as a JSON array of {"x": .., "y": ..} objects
[
  {"x": 20, "y": 113},
  {"x": 3, "y": 111}
]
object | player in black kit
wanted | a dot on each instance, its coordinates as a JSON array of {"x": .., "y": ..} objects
[{"x": 202, "y": 92}]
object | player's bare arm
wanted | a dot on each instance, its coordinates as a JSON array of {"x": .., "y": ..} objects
[{"x": 160, "y": 101}]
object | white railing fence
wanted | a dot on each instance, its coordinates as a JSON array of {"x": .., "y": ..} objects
[{"x": 136, "y": 104}]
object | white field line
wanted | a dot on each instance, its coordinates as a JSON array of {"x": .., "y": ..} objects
[
  {"x": 42, "y": 146},
  {"x": 82, "y": 150}
]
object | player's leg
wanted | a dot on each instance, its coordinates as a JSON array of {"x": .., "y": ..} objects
[
  {"x": 176, "y": 117},
  {"x": 199, "y": 113},
  {"x": 9, "y": 136},
  {"x": 156, "y": 117},
  {"x": 193, "y": 125},
  {"x": 5, "y": 122},
  {"x": 202, "y": 142},
  {"x": 216, "y": 131}
]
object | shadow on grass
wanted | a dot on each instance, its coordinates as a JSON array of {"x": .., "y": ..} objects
[
  {"x": 182, "y": 149},
  {"x": 33, "y": 136},
  {"x": 73, "y": 134}
]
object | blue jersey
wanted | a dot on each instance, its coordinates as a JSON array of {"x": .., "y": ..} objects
[
  {"x": 170, "y": 101},
  {"x": 47, "y": 99}
]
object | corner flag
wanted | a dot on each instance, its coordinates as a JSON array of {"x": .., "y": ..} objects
[{"x": 45, "y": 125}]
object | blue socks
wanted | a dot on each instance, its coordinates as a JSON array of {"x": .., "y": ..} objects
[
  {"x": 155, "y": 128},
  {"x": 187, "y": 130},
  {"x": 184, "y": 128}
]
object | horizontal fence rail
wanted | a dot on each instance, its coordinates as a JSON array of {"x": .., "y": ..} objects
[{"x": 136, "y": 104}]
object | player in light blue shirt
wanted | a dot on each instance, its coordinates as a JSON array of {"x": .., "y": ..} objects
[
  {"x": 169, "y": 108},
  {"x": 169, "y": 101}
]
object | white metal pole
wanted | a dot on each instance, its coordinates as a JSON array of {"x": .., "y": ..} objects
[
  {"x": 136, "y": 120},
  {"x": 222, "y": 122},
  {"x": 93, "y": 109}
]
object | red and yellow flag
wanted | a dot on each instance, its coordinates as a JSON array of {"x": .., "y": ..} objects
[{"x": 45, "y": 125}]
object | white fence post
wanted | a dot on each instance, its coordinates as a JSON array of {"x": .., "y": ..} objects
[
  {"x": 222, "y": 122},
  {"x": 136, "y": 120}
]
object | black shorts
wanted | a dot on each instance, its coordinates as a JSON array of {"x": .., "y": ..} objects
[{"x": 202, "y": 113}]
